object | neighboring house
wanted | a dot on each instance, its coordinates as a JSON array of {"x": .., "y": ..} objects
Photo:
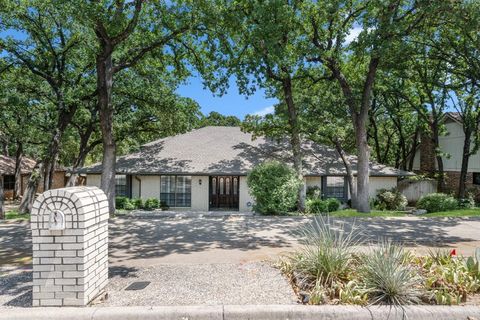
[
  {"x": 206, "y": 169},
  {"x": 451, "y": 145},
  {"x": 7, "y": 168}
]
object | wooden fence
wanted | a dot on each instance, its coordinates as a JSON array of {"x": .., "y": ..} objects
[{"x": 414, "y": 190}]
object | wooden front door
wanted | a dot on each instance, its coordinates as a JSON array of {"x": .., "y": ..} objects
[{"x": 224, "y": 192}]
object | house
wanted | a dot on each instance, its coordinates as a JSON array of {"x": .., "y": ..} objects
[
  {"x": 206, "y": 169},
  {"x": 451, "y": 145},
  {"x": 7, "y": 169}
]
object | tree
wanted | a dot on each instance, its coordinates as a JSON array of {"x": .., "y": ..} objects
[
  {"x": 262, "y": 43},
  {"x": 127, "y": 32},
  {"x": 457, "y": 45},
  {"x": 54, "y": 56},
  {"x": 216, "y": 119},
  {"x": 354, "y": 66}
]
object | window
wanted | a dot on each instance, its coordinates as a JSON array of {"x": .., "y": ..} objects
[
  {"x": 334, "y": 187},
  {"x": 476, "y": 178},
  {"x": 121, "y": 185},
  {"x": 235, "y": 186},
  {"x": 176, "y": 191},
  {"x": 9, "y": 182}
]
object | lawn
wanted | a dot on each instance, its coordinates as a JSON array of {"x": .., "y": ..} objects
[
  {"x": 15, "y": 215},
  {"x": 375, "y": 213}
]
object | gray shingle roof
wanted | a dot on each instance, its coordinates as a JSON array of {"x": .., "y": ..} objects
[
  {"x": 228, "y": 150},
  {"x": 7, "y": 165}
]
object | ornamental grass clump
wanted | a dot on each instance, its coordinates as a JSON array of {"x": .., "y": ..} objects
[
  {"x": 324, "y": 265},
  {"x": 388, "y": 276}
]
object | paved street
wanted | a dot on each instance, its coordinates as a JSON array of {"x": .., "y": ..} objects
[{"x": 236, "y": 239}]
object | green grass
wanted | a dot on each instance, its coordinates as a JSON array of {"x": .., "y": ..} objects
[
  {"x": 15, "y": 215},
  {"x": 351, "y": 213},
  {"x": 455, "y": 213}
]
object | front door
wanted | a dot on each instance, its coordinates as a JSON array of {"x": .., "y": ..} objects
[{"x": 224, "y": 192}]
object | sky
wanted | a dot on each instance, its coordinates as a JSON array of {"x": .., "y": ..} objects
[{"x": 231, "y": 103}]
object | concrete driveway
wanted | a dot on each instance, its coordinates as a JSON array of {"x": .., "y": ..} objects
[{"x": 140, "y": 242}]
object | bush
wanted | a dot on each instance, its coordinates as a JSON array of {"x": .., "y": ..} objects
[
  {"x": 437, "y": 202},
  {"x": 164, "y": 206},
  {"x": 120, "y": 202},
  {"x": 129, "y": 205},
  {"x": 317, "y": 206},
  {"x": 151, "y": 204},
  {"x": 313, "y": 192},
  {"x": 467, "y": 203},
  {"x": 333, "y": 204},
  {"x": 137, "y": 203},
  {"x": 388, "y": 277},
  {"x": 391, "y": 200},
  {"x": 274, "y": 185}
]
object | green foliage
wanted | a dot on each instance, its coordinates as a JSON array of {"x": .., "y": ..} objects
[
  {"x": 151, "y": 204},
  {"x": 313, "y": 192},
  {"x": 390, "y": 200},
  {"x": 327, "y": 255},
  {"x": 274, "y": 185},
  {"x": 318, "y": 206},
  {"x": 388, "y": 277},
  {"x": 137, "y": 203},
  {"x": 448, "y": 279},
  {"x": 437, "y": 202},
  {"x": 467, "y": 203},
  {"x": 120, "y": 202},
  {"x": 217, "y": 119}
]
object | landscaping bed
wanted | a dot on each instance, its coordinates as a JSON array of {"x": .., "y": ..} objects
[{"x": 329, "y": 270}]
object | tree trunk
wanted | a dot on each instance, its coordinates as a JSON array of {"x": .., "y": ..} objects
[
  {"x": 363, "y": 162},
  {"x": 436, "y": 143},
  {"x": 465, "y": 159},
  {"x": 106, "y": 112},
  {"x": 2, "y": 199},
  {"x": 348, "y": 168},
  {"x": 18, "y": 172},
  {"x": 295, "y": 141},
  {"x": 413, "y": 149},
  {"x": 32, "y": 186}
]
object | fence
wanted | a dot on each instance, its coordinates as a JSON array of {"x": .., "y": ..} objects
[{"x": 414, "y": 190}]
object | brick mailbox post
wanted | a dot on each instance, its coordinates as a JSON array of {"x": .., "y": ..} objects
[{"x": 70, "y": 246}]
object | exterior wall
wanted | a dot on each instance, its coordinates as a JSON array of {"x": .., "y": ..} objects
[
  {"x": 377, "y": 183},
  {"x": 200, "y": 196},
  {"x": 136, "y": 186},
  {"x": 453, "y": 180},
  {"x": 451, "y": 144},
  {"x": 244, "y": 196},
  {"x": 58, "y": 182},
  {"x": 313, "y": 182},
  {"x": 93, "y": 180},
  {"x": 150, "y": 187}
]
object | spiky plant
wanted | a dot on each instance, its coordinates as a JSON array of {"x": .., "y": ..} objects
[
  {"x": 389, "y": 277},
  {"x": 327, "y": 254}
]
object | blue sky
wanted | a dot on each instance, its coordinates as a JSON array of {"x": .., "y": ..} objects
[{"x": 231, "y": 103}]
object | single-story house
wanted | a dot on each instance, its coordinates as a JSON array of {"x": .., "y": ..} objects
[
  {"x": 7, "y": 169},
  {"x": 206, "y": 169}
]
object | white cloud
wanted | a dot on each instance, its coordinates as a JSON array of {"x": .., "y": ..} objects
[
  {"x": 353, "y": 34},
  {"x": 264, "y": 111}
]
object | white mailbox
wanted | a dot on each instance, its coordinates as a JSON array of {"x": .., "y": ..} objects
[{"x": 56, "y": 220}]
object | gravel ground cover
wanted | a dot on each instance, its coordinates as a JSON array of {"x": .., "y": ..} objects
[
  {"x": 196, "y": 284},
  {"x": 190, "y": 284}
]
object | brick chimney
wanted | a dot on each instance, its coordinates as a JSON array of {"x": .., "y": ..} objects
[{"x": 427, "y": 154}]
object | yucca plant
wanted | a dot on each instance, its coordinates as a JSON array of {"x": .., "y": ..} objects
[
  {"x": 389, "y": 277},
  {"x": 327, "y": 254}
]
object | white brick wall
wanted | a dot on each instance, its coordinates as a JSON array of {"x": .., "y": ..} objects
[{"x": 70, "y": 266}]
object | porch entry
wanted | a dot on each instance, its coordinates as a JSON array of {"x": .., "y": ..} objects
[{"x": 224, "y": 192}]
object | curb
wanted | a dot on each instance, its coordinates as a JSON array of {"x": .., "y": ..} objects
[{"x": 252, "y": 312}]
